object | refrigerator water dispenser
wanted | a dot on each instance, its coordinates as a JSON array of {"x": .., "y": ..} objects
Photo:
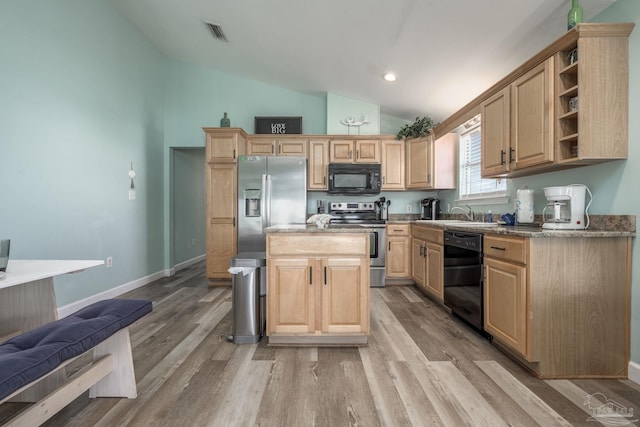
[{"x": 252, "y": 202}]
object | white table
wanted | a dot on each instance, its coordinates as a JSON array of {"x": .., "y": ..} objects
[
  {"x": 27, "y": 295},
  {"x": 28, "y": 300}
]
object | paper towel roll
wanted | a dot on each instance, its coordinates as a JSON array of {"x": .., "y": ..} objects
[{"x": 524, "y": 205}]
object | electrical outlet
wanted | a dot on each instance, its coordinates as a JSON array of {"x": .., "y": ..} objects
[
  {"x": 109, "y": 262},
  {"x": 408, "y": 208}
]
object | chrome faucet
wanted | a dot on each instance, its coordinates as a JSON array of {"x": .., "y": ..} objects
[{"x": 469, "y": 214}]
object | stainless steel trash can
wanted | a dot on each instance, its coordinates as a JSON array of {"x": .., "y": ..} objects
[{"x": 249, "y": 289}]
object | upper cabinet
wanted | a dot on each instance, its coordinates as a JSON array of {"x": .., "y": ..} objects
[
  {"x": 393, "y": 176},
  {"x": 495, "y": 129},
  {"x": 318, "y": 161},
  {"x": 224, "y": 145},
  {"x": 592, "y": 95},
  {"x": 431, "y": 164},
  {"x": 354, "y": 151},
  {"x": 517, "y": 123},
  {"x": 567, "y": 106},
  {"x": 260, "y": 146}
]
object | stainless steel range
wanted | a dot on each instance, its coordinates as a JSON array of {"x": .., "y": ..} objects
[{"x": 363, "y": 214}]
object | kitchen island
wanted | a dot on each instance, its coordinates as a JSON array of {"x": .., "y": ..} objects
[{"x": 317, "y": 285}]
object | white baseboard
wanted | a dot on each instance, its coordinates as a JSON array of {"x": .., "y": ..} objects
[
  {"x": 68, "y": 309},
  {"x": 189, "y": 262},
  {"x": 634, "y": 372},
  {"x": 127, "y": 287}
]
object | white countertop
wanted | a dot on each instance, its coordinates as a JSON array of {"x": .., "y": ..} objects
[{"x": 23, "y": 271}]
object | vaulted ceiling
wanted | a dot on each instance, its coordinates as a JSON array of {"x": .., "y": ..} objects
[{"x": 445, "y": 52}]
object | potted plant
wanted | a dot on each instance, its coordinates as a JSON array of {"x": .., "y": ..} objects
[{"x": 421, "y": 127}]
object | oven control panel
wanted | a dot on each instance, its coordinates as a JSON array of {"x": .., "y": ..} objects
[{"x": 352, "y": 206}]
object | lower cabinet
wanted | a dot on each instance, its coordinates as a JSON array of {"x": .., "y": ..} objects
[
  {"x": 505, "y": 310},
  {"x": 398, "y": 251},
  {"x": 321, "y": 298},
  {"x": 560, "y": 305},
  {"x": 427, "y": 266}
]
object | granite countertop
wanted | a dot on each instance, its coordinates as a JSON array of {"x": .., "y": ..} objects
[
  {"x": 312, "y": 228},
  {"x": 535, "y": 230},
  {"x": 601, "y": 226}
]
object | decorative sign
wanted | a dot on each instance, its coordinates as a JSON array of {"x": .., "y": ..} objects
[{"x": 278, "y": 125}]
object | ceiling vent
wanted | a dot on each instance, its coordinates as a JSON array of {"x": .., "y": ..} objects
[{"x": 217, "y": 32}]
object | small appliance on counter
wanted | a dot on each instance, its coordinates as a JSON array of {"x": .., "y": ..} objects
[
  {"x": 524, "y": 205},
  {"x": 383, "y": 208},
  {"x": 566, "y": 209},
  {"x": 429, "y": 208}
]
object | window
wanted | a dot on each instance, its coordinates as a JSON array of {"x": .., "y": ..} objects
[{"x": 472, "y": 185}]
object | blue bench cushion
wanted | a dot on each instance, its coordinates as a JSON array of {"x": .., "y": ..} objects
[{"x": 29, "y": 356}]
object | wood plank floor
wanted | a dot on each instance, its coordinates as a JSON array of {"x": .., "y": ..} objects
[{"x": 422, "y": 367}]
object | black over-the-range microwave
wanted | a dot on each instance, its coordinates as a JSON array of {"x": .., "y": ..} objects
[{"x": 354, "y": 179}]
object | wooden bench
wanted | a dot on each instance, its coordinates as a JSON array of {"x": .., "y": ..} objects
[{"x": 32, "y": 359}]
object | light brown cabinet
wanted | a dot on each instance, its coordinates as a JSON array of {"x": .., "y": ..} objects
[
  {"x": 505, "y": 289},
  {"x": 276, "y": 147},
  {"x": 354, "y": 151},
  {"x": 539, "y": 293},
  {"x": 431, "y": 164},
  {"x": 222, "y": 150},
  {"x": 318, "y": 293},
  {"x": 566, "y": 107},
  {"x": 496, "y": 133},
  {"x": 593, "y": 71},
  {"x": 393, "y": 170},
  {"x": 224, "y": 146},
  {"x": 427, "y": 267},
  {"x": 318, "y": 164},
  {"x": 398, "y": 251},
  {"x": 517, "y": 123}
]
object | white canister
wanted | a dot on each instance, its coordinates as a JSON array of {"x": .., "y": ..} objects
[{"x": 524, "y": 205}]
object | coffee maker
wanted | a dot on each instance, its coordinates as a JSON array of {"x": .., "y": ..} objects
[
  {"x": 566, "y": 209},
  {"x": 429, "y": 208}
]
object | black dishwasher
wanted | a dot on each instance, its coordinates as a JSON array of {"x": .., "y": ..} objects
[{"x": 463, "y": 281}]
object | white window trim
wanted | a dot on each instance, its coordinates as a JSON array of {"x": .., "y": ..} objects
[{"x": 500, "y": 197}]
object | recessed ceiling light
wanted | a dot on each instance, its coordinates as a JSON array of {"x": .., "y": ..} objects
[{"x": 389, "y": 77}]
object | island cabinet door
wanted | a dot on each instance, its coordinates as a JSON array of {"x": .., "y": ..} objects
[
  {"x": 291, "y": 296},
  {"x": 345, "y": 295}
]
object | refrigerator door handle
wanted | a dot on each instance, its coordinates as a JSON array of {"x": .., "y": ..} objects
[
  {"x": 263, "y": 201},
  {"x": 266, "y": 191}
]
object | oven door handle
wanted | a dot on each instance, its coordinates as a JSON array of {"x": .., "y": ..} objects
[{"x": 373, "y": 251}]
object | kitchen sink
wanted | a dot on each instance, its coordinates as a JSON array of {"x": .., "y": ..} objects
[
  {"x": 439, "y": 221},
  {"x": 474, "y": 224}
]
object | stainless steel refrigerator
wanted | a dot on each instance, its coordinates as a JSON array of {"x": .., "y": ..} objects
[{"x": 272, "y": 190}]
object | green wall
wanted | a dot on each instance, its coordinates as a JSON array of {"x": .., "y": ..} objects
[{"x": 81, "y": 98}]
